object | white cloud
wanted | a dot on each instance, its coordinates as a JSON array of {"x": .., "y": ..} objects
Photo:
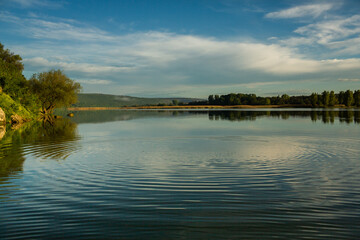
[
  {"x": 44, "y": 64},
  {"x": 349, "y": 79},
  {"x": 311, "y": 10},
  {"x": 94, "y": 81},
  {"x": 36, "y": 3},
  {"x": 327, "y": 31},
  {"x": 147, "y": 60},
  {"x": 340, "y": 35}
]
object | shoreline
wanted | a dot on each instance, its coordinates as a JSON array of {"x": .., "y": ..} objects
[{"x": 195, "y": 107}]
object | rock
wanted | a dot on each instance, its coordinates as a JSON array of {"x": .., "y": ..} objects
[
  {"x": 2, "y": 117},
  {"x": 2, "y": 131},
  {"x": 16, "y": 119},
  {"x": 70, "y": 115}
]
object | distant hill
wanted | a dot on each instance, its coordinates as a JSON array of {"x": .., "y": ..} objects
[{"x": 107, "y": 100}]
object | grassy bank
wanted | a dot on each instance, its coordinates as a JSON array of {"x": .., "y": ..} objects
[{"x": 12, "y": 107}]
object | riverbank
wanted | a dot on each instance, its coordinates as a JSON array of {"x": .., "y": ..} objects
[
  {"x": 14, "y": 111},
  {"x": 195, "y": 107}
]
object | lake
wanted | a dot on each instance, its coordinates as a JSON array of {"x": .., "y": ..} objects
[{"x": 139, "y": 174}]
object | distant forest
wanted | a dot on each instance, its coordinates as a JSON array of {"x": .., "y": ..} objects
[{"x": 325, "y": 99}]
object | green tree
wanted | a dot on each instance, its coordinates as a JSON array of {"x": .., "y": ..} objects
[
  {"x": 314, "y": 99},
  {"x": 217, "y": 99},
  {"x": 175, "y": 102},
  {"x": 12, "y": 81},
  {"x": 332, "y": 99},
  {"x": 284, "y": 99},
  {"x": 325, "y": 98},
  {"x": 211, "y": 99},
  {"x": 349, "y": 98},
  {"x": 357, "y": 98},
  {"x": 54, "y": 89},
  {"x": 341, "y": 97},
  {"x": 267, "y": 101}
]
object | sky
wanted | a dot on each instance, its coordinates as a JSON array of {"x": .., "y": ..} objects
[{"x": 188, "y": 48}]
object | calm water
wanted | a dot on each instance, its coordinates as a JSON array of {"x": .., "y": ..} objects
[{"x": 188, "y": 175}]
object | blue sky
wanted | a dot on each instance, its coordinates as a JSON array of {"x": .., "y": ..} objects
[{"x": 189, "y": 48}]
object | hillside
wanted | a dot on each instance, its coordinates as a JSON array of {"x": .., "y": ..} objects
[
  {"x": 107, "y": 100},
  {"x": 11, "y": 107}
]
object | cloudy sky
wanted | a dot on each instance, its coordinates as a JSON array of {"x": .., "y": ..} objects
[{"x": 189, "y": 48}]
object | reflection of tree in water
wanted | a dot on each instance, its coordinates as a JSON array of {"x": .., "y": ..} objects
[
  {"x": 48, "y": 140},
  {"x": 347, "y": 116},
  {"x": 54, "y": 140}
]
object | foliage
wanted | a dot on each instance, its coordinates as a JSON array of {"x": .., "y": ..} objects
[
  {"x": 54, "y": 89},
  {"x": 15, "y": 86},
  {"x": 349, "y": 98},
  {"x": 357, "y": 98},
  {"x": 332, "y": 99},
  {"x": 11, "y": 107},
  {"x": 325, "y": 99},
  {"x": 11, "y": 79}
]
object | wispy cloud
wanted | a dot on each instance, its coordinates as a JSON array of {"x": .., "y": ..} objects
[
  {"x": 349, "y": 79},
  {"x": 146, "y": 60},
  {"x": 336, "y": 33},
  {"x": 329, "y": 30},
  {"x": 45, "y": 64},
  {"x": 94, "y": 81},
  {"x": 36, "y": 3},
  {"x": 57, "y": 29},
  {"x": 311, "y": 10}
]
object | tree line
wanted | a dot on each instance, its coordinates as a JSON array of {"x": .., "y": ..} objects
[
  {"x": 42, "y": 93},
  {"x": 325, "y": 99}
]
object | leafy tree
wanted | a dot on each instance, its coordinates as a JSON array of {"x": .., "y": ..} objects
[
  {"x": 217, "y": 99},
  {"x": 357, "y": 98},
  {"x": 175, "y": 102},
  {"x": 12, "y": 81},
  {"x": 332, "y": 99},
  {"x": 211, "y": 99},
  {"x": 54, "y": 89},
  {"x": 11, "y": 58},
  {"x": 325, "y": 98},
  {"x": 267, "y": 101},
  {"x": 314, "y": 99},
  {"x": 341, "y": 97},
  {"x": 285, "y": 99},
  {"x": 349, "y": 98}
]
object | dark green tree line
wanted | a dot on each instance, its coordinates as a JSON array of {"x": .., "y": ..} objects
[{"x": 325, "y": 99}]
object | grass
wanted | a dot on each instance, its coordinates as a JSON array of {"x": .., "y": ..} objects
[{"x": 11, "y": 107}]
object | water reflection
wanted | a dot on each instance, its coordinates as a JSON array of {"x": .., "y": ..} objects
[
  {"x": 45, "y": 140},
  {"x": 175, "y": 174},
  {"x": 324, "y": 115}
]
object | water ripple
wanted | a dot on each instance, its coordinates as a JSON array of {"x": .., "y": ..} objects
[{"x": 201, "y": 186}]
